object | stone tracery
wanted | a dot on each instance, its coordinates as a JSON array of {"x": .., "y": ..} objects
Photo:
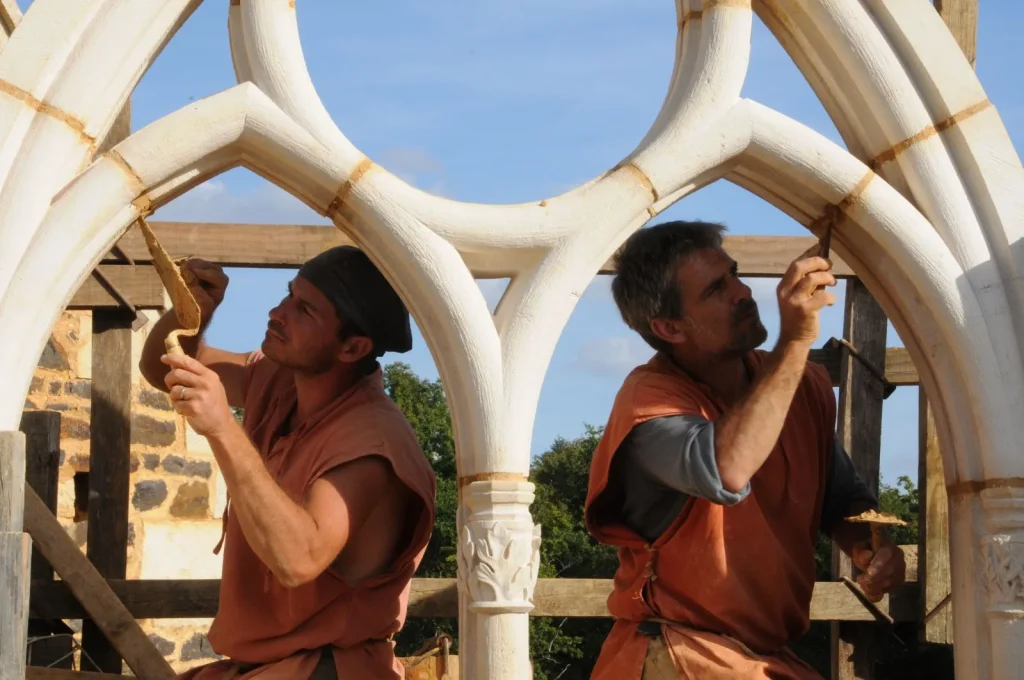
[{"x": 929, "y": 197}]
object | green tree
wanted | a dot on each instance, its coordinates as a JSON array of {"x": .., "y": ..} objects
[
  {"x": 423, "y": 403},
  {"x": 567, "y": 648}
]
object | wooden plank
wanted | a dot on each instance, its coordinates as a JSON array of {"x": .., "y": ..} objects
[
  {"x": 94, "y": 597},
  {"x": 15, "y": 556},
  {"x": 933, "y": 548},
  {"x": 42, "y": 469},
  {"x": 140, "y": 284},
  {"x": 42, "y": 473},
  {"x": 285, "y": 246},
  {"x": 432, "y": 598},
  {"x": 899, "y": 367},
  {"x": 961, "y": 16},
  {"x": 60, "y": 674},
  {"x": 15, "y": 560},
  {"x": 860, "y": 429},
  {"x": 109, "y": 464}
]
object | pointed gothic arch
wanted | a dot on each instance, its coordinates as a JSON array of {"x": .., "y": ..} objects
[{"x": 931, "y": 190}]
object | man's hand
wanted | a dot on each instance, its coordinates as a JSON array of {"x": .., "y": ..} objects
[
  {"x": 882, "y": 571},
  {"x": 207, "y": 282},
  {"x": 801, "y": 295},
  {"x": 197, "y": 393}
]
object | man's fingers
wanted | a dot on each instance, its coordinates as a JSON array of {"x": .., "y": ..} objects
[
  {"x": 184, "y": 362},
  {"x": 181, "y": 377},
  {"x": 207, "y": 271},
  {"x": 813, "y": 281},
  {"x": 801, "y": 268}
]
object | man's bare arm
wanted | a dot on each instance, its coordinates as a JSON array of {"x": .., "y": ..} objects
[
  {"x": 749, "y": 430},
  {"x": 297, "y": 542}
]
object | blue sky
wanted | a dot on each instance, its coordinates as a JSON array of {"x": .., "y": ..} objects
[{"x": 513, "y": 101}]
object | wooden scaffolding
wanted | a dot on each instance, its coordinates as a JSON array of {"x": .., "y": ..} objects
[{"x": 92, "y": 586}]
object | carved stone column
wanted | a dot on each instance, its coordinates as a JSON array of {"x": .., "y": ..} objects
[
  {"x": 499, "y": 558},
  {"x": 1003, "y": 557}
]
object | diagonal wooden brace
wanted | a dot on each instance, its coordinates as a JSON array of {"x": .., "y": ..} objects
[
  {"x": 92, "y": 591},
  {"x": 887, "y": 387}
]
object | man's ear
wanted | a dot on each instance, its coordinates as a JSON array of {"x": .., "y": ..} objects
[
  {"x": 355, "y": 348},
  {"x": 672, "y": 331}
]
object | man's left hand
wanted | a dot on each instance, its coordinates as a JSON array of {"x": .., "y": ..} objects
[
  {"x": 197, "y": 393},
  {"x": 882, "y": 571}
]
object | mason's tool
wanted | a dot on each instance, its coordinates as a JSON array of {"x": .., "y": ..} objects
[{"x": 171, "y": 274}]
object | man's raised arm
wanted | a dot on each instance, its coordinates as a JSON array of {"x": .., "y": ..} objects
[
  {"x": 747, "y": 432},
  {"x": 207, "y": 284}
]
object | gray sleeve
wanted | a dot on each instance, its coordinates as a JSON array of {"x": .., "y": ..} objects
[
  {"x": 678, "y": 452},
  {"x": 843, "y": 488}
]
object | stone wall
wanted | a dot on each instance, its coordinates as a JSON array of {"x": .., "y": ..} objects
[{"x": 177, "y": 494}]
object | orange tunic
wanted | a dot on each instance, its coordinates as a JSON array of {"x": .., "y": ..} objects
[
  {"x": 732, "y": 585},
  {"x": 259, "y": 621}
]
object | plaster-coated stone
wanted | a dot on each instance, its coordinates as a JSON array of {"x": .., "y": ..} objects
[{"x": 934, "y": 231}]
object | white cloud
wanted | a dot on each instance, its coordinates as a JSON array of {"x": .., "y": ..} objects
[
  {"x": 215, "y": 200},
  {"x": 613, "y": 355},
  {"x": 416, "y": 167}
]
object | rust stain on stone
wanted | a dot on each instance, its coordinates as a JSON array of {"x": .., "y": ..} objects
[
  {"x": 118, "y": 160},
  {"x": 742, "y": 4},
  {"x": 930, "y": 131},
  {"x": 46, "y": 109},
  {"x": 346, "y": 188},
  {"x": 642, "y": 178},
  {"x": 858, "y": 189},
  {"x": 690, "y": 16}
]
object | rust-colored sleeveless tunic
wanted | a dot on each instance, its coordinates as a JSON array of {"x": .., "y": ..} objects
[
  {"x": 259, "y": 621},
  {"x": 734, "y": 581}
]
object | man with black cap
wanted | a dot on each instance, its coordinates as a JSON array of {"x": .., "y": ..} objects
[{"x": 331, "y": 499}]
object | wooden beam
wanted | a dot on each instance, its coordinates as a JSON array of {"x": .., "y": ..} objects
[
  {"x": 60, "y": 674},
  {"x": 961, "y": 16},
  {"x": 109, "y": 464},
  {"x": 860, "y": 429},
  {"x": 139, "y": 284},
  {"x": 94, "y": 597},
  {"x": 933, "y": 537},
  {"x": 15, "y": 556},
  {"x": 285, "y": 246},
  {"x": 42, "y": 473},
  {"x": 434, "y": 598},
  {"x": 42, "y": 469},
  {"x": 899, "y": 367}
]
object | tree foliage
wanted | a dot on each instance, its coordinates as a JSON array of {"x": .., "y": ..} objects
[{"x": 567, "y": 648}]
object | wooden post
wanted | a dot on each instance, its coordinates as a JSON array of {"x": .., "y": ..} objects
[
  {"x": 109, "y": 445},
  {"x": 933, "y": 571},
  {"x": 962, "y": 18},
  {"x": 42, "y": 469},
  {"x": 15, "y": 553},
  {"x": 109, "y": 465},
  {"x": 860, "y": 430}
]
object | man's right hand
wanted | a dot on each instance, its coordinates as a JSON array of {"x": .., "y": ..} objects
[
  {"x": 207, "y": 282},
  {"x": 802, "y": 293}
]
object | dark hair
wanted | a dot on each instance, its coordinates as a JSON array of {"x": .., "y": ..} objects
[{"x": 645, "y": 285}]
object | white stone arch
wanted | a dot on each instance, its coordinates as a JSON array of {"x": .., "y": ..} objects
[{"x": 955, "y": 294}]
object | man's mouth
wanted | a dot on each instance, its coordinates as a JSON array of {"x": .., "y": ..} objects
[{"x": 274, "y": 334}]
